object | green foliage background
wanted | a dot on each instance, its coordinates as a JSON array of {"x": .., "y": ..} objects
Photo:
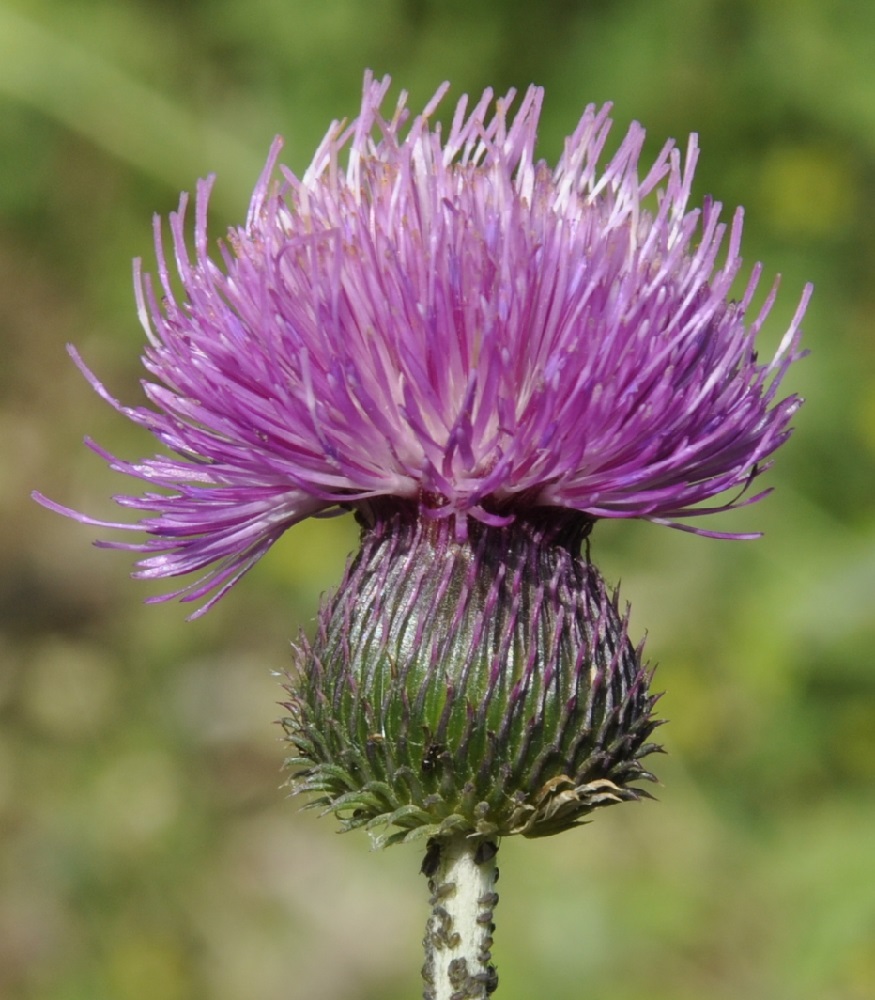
[{"x": 148, "y": 852}]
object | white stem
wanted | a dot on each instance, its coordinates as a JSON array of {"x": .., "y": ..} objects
[{"x": 461, "y": 876}]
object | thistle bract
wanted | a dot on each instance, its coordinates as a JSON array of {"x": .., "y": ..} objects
[{"x": 485, "y": 686}]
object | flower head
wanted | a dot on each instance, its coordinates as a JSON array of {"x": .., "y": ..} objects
[
  {"x": 482, "y": 356},
  {"x": 440, "y": 318}
]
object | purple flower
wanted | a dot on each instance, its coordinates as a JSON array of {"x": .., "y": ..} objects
[{"x": 438, "y": 317}]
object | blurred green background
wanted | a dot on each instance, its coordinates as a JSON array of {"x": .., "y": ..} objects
[{"x": 148, "y": 852}]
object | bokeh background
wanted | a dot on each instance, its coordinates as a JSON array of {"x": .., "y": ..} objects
[{"x": 147, "y": 850}]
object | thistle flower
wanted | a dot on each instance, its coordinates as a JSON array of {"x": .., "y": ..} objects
[
  {"x": 452, "y": 323},
  {"x": 481, "y": 356}
]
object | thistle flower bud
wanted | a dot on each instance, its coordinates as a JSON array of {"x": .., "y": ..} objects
[{"x": 474, "y": 679}]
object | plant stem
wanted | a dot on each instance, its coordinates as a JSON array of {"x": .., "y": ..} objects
[{"x": 461, "y": 873}]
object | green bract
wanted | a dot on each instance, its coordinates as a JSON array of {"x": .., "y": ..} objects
[{"x": 483, "y": 684}]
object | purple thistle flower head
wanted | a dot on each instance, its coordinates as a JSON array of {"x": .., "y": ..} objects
[
  {"x": 436, "y": 316},
  {"x": 482, "y": 356}
]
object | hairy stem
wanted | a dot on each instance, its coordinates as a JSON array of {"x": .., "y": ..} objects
[{"x": 461, "y": 874}]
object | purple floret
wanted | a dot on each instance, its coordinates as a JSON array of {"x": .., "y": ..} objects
[{"x": 444, "y": 319}]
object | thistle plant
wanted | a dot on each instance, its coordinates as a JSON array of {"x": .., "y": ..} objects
[{"x": 480, "y": 357}]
